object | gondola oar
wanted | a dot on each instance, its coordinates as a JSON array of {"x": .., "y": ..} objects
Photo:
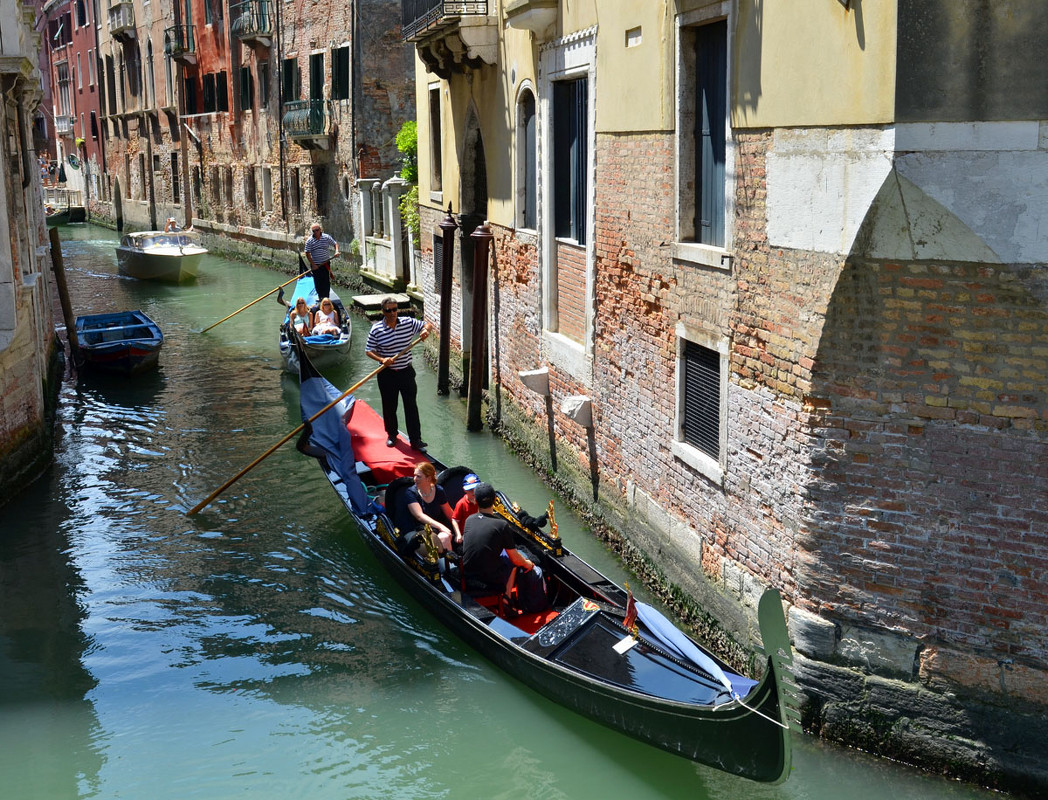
[
  {"x": 301, "y": 264},
  {"x": 203, "y": 503}
]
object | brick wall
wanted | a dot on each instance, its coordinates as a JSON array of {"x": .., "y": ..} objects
[
  {"x": 571, "y": 291},
  {"x": 930, "y": 418}
]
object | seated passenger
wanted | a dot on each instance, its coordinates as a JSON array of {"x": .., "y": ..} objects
[
  {"x": 466, "y": 506},
  {"x": 425, "y": 503},
  {"x": 301, "y": 317},
  {"x": 489, "y": 554},
  {"x": 326, "y": 320}
]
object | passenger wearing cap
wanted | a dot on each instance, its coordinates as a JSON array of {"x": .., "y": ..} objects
[
  {"x": 171, "y": 226},
  {"x": 489, "y": 554},
  {"x": 466, "y": 505}
]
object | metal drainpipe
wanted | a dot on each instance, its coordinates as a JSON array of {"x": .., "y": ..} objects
[{"x": 280, "y": 114}]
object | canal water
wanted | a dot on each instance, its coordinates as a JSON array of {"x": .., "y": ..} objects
[{"x": 257, "y": 649}]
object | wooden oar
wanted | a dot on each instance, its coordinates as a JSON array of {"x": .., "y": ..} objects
[
  {"x": 263, "y": 297},
  {"x": 203, "y": 503}
]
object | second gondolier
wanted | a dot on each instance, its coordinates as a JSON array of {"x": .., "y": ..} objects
[{"x": 320, "y": 249}]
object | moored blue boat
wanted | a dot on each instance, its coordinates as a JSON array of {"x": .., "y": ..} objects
[{"x": 123, "y": 342}]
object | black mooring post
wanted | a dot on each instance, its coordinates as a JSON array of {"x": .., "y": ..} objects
[
  {"x": 448, "y": 226},
  {"x": 481, "y": 237}
]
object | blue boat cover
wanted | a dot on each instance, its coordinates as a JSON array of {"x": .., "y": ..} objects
[
  {"x": 679, "y": 645},
  {"x": 330, "y": 433}
]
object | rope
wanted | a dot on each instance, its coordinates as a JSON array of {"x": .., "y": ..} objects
[{"x": 758, "y": 713}]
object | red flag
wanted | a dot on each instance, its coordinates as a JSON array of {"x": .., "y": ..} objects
[{"x": 630, "y": 622}]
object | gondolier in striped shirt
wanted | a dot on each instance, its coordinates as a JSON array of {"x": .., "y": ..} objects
[
  {"x": 388, "y": 337},
  {"x": 320, "y": 249}
]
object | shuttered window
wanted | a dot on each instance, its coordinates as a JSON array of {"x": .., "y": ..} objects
[
  {"x": 247, "y": 89},
  {"x": 711, "y": 46},
  {"x": 570, "y": 158},
  {"x": 340, "y": 73},
  {"x": 700, "y": 421}
]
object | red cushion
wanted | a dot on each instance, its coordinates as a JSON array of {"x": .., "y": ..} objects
[{"x": 368, "y": 434}]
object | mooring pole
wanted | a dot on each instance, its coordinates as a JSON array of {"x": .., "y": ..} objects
[
  {"x": 448, "y": 226},
  {"x": 58, "y": 267},
  {"x": 481, "y": 237}
]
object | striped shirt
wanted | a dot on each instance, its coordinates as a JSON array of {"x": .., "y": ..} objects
[
  {"x": 387, "y": 342},
  {"x": 320, "y": 249}
]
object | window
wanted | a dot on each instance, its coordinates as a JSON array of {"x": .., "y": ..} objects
[
  {"x": 81, "y": 13},
  {"x": 79, "y": 74},
  {"x": 291, "y": 80},
  {"x": 295, "y": 193},
  {"x": 111, "y": 84},
  {"x": 209, "y": 93},
  {"x": 250, "y": 198},
  {"x": 267, "y": 189},
  {"x": 176, "y": 195},
  {"x": 570, "y": 159},
  {"x": 436, "y": 181},
  {"x": 340, "y": 73},
  {"x": 189, "y": 97},
  {"x": 222, "y": 91},
  {"x": 94, "y": 126},
  {"x": 247, "y": 89},
  {"x": 704, "y": 165},
  {"x": 527, "y": 152},
  {"x": 208, "y": 14},
  {"x": 564, "y": 98},
  {"x": 90, "y": 67},
  {"x": 197, "y": 185},
  {"x": 263, "y": 84},
  {"x": 151, "y": 68},
  {"x": 702, "y": 366},
  {"x": 63, "y": 88},
  {"x": 316, "y": 76}
]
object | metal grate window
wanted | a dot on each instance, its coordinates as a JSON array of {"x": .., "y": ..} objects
[
  {"x": 700, "y": 426},
  {"x": 438, "y": 261}
]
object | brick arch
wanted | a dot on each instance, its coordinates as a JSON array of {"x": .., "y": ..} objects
[{"x": 927, "y": 504}]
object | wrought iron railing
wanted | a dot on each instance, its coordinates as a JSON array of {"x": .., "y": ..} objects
[
  {"x": 420, "y": 15},
  {"x": 121, "y": 17},
  {"x": 251, "y": 18},
  {"x": 306, "y": 118},
  {"x": 180, "y": 40}
]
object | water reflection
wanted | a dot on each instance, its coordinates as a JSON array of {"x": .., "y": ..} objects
[{"x": 258, "y": 648}]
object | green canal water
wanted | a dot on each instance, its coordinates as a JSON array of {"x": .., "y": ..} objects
[{"x": 257, "y": 649}]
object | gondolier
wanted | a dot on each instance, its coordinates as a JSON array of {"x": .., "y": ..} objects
[
  {"x": 389, "y": 336},
  {"x": 320, "y": 249}
]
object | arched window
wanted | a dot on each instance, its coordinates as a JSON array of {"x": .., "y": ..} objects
[
  {"x": 527, "y": 162},
  {"x": 169, "y": 72}
]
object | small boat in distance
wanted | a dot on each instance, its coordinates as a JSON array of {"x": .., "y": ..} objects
[
  {"x": 124, "y": 342},
  {"x": 55, "y": 217},
  {"x": 594, "y": 649},
  {"x": 324, "y": 350},
  {"x": 160, "y": 256}
]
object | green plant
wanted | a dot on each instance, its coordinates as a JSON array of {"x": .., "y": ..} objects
[
  {"x": 407, "y": 144},
  {"x": 409, "y": 212},
  {"x": 354, "y": 248}
]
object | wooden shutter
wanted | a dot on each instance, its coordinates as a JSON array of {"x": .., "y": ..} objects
[{"x": 701, "y": 417}]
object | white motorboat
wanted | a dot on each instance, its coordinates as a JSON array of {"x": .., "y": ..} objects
[{"x": 160, "y": 256}]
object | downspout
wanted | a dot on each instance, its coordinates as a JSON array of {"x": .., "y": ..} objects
[{"x": 280, "y": 115}]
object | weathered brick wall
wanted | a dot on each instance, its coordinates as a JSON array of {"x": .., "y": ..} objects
[
  {"x": 930, "y": 509},
  {"x": 571, "y": 291}
]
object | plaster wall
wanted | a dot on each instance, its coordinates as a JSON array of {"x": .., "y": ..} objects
[{"x": 814, "y": 64}]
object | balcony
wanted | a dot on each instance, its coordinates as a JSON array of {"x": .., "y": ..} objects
[
  {"x": 307, "y": 123},
  {"x": 180, "y": 43},
  {"x": 537, "y": 16},
  {"x": 252, "y": 22},
  {"x": 63, "y": 125},
  {"x": 451, "y": 35},
  {"x": 122, "y": 20}
]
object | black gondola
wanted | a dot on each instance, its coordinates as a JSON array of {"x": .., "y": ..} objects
[{"x": 644, "y": 678}]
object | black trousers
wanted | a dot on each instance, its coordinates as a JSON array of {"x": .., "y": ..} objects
[
  {"x": 392, "y": 385},
  {"x": 322, "y": 280}
]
